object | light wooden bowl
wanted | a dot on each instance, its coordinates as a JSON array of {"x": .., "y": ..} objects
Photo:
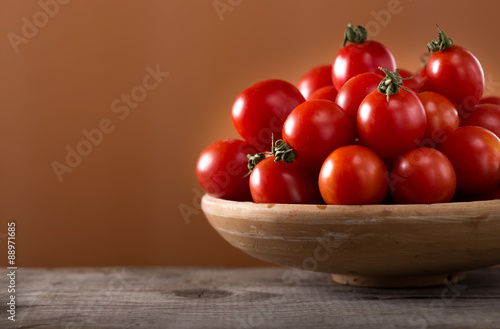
[{"x": 369, "y": 245}]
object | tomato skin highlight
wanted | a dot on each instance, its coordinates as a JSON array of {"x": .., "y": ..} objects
[
  {"x": 475, "y": 155},
  {"x": 391, "y": 128},
  {"x": 354, "y": 59},
  {"x": 423, "y": 176},
  {"x": 486, "y": 116},
  {"x": 279, "y": 182},
  {"x": 442, "y": 118},
  {"x": 316, "y": 128},
  {"x": 314, "y": 79},
  {"x": 220, "y": 169},
  {"x": 260, "y": 111},
  {"x": 353, "y": 175},
  {"x": 353, "y": 92},
  {"x": 456, "y": 74}
]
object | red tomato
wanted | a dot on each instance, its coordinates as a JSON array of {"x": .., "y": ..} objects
[
  {"x": 490, "y": 100},
  {"x": 474, "y": 153},
  {"x": 455, "y": 73},
  {"x": 353, "y": 175},
  {"x": 442, "y": 118},
  {"x": 490, "y": 195},
  {"x": 221, "y": 167},
  {"x": 411, "y": 81},
  {"x": 422, "y": 71},
  {"x": 423, "y": 175},
  {"x": 423, "y": 85},
  {"x": 260, "y": 111},
  {"x": 486, "y": 116},
  {"x": 315, "y": 78},
  {"x": 391, "y": 128},
  {"x": 354, "y": 91},
  {"x": 279, "y": 182},
  {"x": 359, "y": 56},
  {"x": 328, "y": 93},
  {"x": 316, "y": 128}
]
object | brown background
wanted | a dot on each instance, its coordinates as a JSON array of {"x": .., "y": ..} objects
[{"x": 120, "y": 206}]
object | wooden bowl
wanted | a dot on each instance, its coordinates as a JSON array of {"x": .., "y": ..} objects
[{"x": 369, "y": 245}]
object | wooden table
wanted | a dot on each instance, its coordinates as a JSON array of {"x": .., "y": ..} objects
[{"x": 241, "y": 298}]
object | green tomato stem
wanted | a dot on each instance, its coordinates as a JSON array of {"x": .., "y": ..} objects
[
  {"x": 355, "y": 35},
  {"x": 392, "y": 83},
  {"x": 444, "y": 42},
  {"x": 281, "y": 151}
]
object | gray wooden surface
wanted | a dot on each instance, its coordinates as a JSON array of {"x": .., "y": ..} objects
[{"x": 241, "y": 298}]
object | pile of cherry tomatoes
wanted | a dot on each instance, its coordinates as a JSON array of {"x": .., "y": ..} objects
[{"x": 361, "y": 131}]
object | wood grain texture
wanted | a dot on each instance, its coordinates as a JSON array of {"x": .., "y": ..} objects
[{"x": 242, "y": 298}]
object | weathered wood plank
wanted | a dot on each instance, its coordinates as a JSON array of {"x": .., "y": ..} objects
[{"x": 242, "y": 298}]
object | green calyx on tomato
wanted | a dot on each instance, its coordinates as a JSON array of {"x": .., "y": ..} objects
[
  {"x": 280, "y": 149},
  {"x": 444, "y": 42},
  {"x": 355, "y": 35},
  {"x": 391, "y": 84}
]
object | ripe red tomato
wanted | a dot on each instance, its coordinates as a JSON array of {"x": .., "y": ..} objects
[
  {"x": 423, "y": 85},
  {"x": 221, "y": 167},
  {"x": 474, "y": 153},
  {"x": 422, "y": 71},
  {"x": 328, "y": 93},
  {"x": 260, "y": 111},
  {"x": 442, "y": 118},
  {"x": 391, "y": 128},
  {"x": 455, "y": 73},
  {"x": 423, "y": 175},
  {"x": 490, "y": 100},
  {"x": 354, "y": 91},
  {"x": 353, "y": 175},
  {"x": 315, "y": 78},
  {"x": 411, "y": 81},
  {"x": 359, "y": 56},
  {"x": 279, "y": 182},
  {"x": 489, "y": 195},
  {"x": 316, "y": 128},
  {"x": 486, "y": 116}
]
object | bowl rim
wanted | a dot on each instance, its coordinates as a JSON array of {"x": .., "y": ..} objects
[{"x": 452, "y": 211}]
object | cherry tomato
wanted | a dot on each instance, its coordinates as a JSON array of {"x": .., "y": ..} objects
[
  {"x": 312, "y": 80},
  {"x": 354, "y": 91},
  {"x": 391, "y": 128},
  {"x": 490, "y": 195},
  {"x": 423, "y": 85},
  {"x": 279, "y": 182},
  {"x": 490, "y": 100},
  {"x": 442, "y": 118},
  {"x": 422, "y": 71},
  {"x": 410, "y": 80},
  {"x": 359, "y": 56},
  {"x": 486, "y": 116},
  {"x": 423, "y": 175},
  {"x": 328, "y": 93},
  {"x": 421, "y": 76},
  {"x": 221, "y": 167},
  {"x": 474, "y": 153},
  {"x": 455, "y": 73},
  {"x": 260, "y": 111},
  {"x": 353, "y": 175},
  {"x": 316, "y": 128}
]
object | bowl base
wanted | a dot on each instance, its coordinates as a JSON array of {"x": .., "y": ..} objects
[{"x": 398, "y": 281}]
